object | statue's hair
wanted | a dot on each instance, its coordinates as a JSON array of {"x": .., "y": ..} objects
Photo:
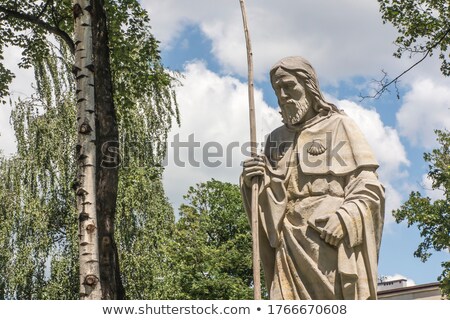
[{"x": 302, "y": 69}]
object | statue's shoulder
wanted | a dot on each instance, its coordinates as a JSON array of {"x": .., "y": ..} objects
[
  {"x": 340, "y": 117},
  {"x": 350, "y": 126},
  {"x": 338, "y": 121}
]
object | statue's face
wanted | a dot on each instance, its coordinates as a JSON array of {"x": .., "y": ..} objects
[{"x": 292, "y": 97}]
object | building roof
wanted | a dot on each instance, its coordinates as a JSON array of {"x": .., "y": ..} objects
[{"x": 427, "y": 291}]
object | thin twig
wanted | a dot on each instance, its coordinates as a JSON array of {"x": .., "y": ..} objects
[{"x": 384, "y": 87}]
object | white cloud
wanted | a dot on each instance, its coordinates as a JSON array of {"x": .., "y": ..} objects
[
  {"x": 426, "y": 108},
  {"x": 214, "y": 110},
  {"x": 429, "y": 192},
  {"x": 341, "y": 38},
  {"x": 170, "y": 17},
  {"x": 393, "y": 201},
  {"x": 384, "y": 140}
]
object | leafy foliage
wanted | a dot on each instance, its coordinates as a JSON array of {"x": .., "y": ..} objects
[
  {"x": 432, "y": 217},
  {"x": 144, "y": 229},
  {"x": 30, "y": 36},
  {"x": 213, "y": 244},
  {"x": 38, "y": 226},
  {"x": 39, "y": 229},
  {"x": 423, "y": 27}
]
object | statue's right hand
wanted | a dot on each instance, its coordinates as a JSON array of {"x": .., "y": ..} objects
[{"x": 253, "y": 167}]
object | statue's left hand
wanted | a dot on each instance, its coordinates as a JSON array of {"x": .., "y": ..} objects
[{"x": 333, "y": 232}]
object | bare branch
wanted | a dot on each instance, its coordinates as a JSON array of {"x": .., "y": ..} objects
[
  {"x": 384, "y": 84},
  {"x": 46, "y": 26}
]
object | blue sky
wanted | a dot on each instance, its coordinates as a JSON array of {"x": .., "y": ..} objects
[{"x": 347, "y": 44}]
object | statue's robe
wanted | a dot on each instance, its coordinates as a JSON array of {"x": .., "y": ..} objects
[{"x": 322, "y": 167}]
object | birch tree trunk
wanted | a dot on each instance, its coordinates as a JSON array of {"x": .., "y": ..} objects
[
  {"x": 107, "y": 138},
  {"x": 98, "y": 131},
  {"x": 90, "y": 286}
]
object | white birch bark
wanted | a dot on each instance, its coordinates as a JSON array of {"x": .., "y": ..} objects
[{"x": 90, "y": 288}]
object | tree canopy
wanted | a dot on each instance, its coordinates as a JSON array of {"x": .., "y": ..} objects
[
  {"x": 212, "y": 244},
  {"x": 423, "y": 27},
  {"x": 432, "y": 217}
]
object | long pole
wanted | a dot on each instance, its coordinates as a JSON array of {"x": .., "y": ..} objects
[{"x": 255, "y": 191}]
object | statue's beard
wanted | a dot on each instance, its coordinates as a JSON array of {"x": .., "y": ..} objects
[{"x": 293, "y": 111}]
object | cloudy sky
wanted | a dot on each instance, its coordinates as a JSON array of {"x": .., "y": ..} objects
[{"x": 347, "y": 44}]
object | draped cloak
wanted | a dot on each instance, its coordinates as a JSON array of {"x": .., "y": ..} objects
[{"x": 322, "y": 167}]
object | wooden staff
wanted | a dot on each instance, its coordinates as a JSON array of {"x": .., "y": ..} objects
[{"x": 255, "y": 191}]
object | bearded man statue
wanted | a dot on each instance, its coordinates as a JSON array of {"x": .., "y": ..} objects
[{"x": 321, "y": 206}]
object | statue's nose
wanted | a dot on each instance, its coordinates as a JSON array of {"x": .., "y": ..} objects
[{"x": 283, "y": 95}]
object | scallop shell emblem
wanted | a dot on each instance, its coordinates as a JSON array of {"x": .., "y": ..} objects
[{"x": 316, "y": 148}]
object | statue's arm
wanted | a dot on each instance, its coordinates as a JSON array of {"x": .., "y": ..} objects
[{"x": 364, "y": 199}]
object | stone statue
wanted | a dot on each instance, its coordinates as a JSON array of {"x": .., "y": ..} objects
[{"x": 321, "y": 206}]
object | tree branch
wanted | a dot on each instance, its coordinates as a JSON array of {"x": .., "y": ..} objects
[
  {"x": 44, "y": 25},
  {"x": 384, "y": 84}
]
